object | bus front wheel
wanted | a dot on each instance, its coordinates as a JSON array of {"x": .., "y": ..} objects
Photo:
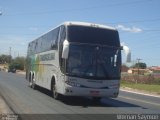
[{"x": 54, "y": 92}]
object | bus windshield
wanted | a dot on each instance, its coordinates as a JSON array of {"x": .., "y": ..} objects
[
  {"x": 93, "y": 35},
  {"x": 94, "y": 62}
]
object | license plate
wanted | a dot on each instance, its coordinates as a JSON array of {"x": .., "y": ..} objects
[{"x": 94, "y": 93}]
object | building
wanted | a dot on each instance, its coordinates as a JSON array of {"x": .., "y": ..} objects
[
  {"x": 155, "y": 69},
  {"x": 139, "y": 71}
]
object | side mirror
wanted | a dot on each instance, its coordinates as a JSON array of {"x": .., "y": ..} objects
[
  {"x": 115, "y": 60},
  {"x": 65, "y": 50},
  {"x": 127, "y": 53},
  {"x": 121, "y": 48}
]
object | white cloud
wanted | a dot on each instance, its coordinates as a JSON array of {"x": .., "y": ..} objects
[{"x": 129, "y": 29}]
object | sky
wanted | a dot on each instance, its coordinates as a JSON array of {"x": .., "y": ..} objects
[{"x": 138, "y": 23}]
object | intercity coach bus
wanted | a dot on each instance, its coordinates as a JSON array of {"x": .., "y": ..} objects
[{"x": 76, "y": 59}]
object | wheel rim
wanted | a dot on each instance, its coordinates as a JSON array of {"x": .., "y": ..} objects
[
  {"x": 33, "y": 82},
  {"x": 30, "y": 84},
  {"x": 55, "y": 94}
]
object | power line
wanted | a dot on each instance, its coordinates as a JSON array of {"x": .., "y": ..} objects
[
  {"x": 4, "y": 34},
  {"x": 121, "y": 31},
  {"x": 142, "y": 31},
  {"x": 80, "y": 9},
  {"x": 154, "y": 30},
  {"x": 135, "y": 21},
  {"x": 42, "y": 26},
  {"x": 51, "y": 26}
]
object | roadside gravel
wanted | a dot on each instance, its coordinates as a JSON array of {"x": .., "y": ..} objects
[
  {"x": 143, "y": 92},
  {"x": 4, "y": 109}
]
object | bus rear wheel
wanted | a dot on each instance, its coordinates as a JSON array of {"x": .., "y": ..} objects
[
  {"x": 33, "y": 84},
  {"x": 30, "y": 81}
]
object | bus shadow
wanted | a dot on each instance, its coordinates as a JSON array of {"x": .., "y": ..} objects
[
  {"x": 44, "y": 91},
  {"x": 88, "y": 102}
]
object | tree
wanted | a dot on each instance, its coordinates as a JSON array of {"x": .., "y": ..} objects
[
  {"x": 140, "y": 65},
  {"x": 5, "y": 59},
  {"x": 18, "y": 63}
]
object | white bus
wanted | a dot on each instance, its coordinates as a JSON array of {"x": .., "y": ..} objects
[{"x": 76, "y": 59}]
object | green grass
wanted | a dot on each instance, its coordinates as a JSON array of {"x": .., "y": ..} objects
[{"x": 144, "y": 87}]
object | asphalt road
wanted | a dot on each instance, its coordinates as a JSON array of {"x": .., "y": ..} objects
[{"x": 27, "y": 102}]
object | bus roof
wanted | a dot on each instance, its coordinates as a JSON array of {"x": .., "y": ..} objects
[
  {"x": 88, "y": 24},
  {"x": 68, "y": 23}
]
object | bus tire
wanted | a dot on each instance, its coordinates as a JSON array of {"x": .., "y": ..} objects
[
  {"x": 30, "y": 80},
  {"x": 33, "y": 82},
  {"x": 55, "y": 95}
]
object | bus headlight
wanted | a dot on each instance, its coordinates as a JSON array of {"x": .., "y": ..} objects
[{"x": 71, "y": 83}]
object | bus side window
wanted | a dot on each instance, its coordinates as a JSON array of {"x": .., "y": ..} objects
[
  {"x": 62, "y": 38},
  {"x": 54, "y": 38}
]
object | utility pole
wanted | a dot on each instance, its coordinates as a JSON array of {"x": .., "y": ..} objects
[
  {"x": 10, "y": 56},
  {"x": 138, "y": 61}
]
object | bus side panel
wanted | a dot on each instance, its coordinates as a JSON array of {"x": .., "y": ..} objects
[{"x": 46, "y": 67}]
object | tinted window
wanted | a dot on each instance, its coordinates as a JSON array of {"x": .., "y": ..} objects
[
  {"x": 93, "y": 35},
  {"x": 48, "y": 41},
  {"x": 94, "y": 62}
]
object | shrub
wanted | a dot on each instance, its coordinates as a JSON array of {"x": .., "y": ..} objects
[{"x": 144, "y": 79}]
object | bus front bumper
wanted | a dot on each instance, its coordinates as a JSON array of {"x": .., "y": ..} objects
[{"x": 91, "y": 92}]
